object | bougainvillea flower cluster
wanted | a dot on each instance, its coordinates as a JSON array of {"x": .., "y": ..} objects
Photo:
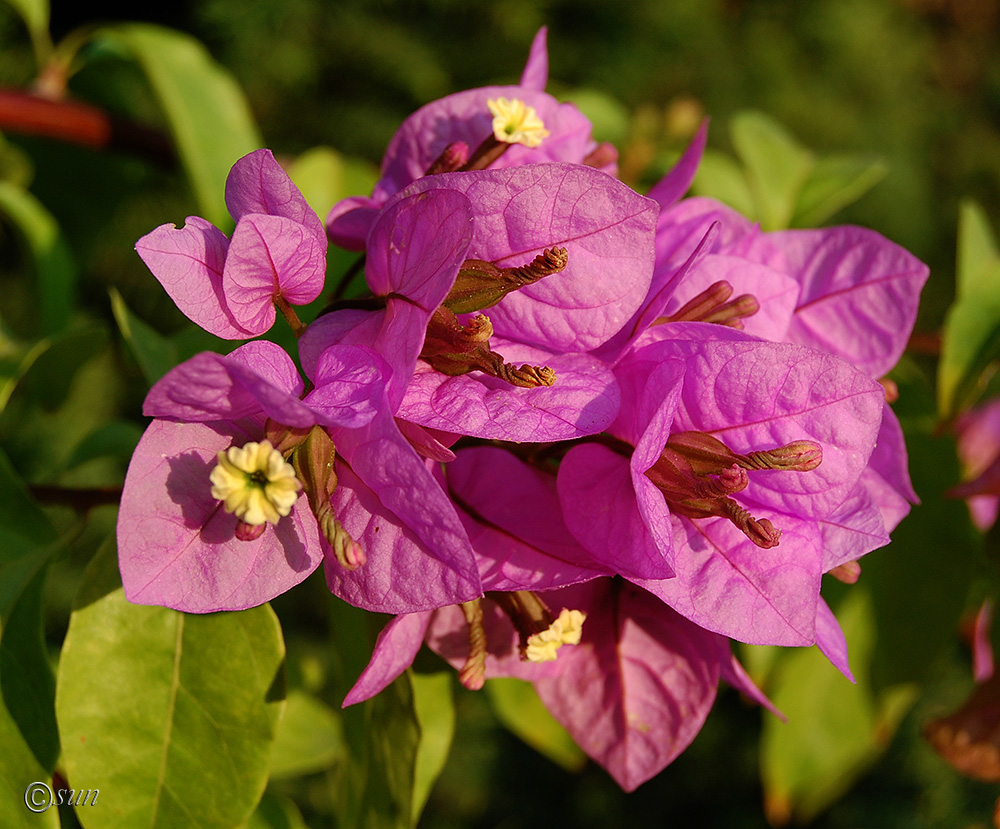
[{"x": 572, "y": 434}]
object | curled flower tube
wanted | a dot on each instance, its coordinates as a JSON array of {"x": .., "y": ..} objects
[
  {"x": 519, "y": 369},
  {"x": 733, "y": 534}
]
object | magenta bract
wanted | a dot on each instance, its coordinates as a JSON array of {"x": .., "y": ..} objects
[{"x": 229, "y": 286}]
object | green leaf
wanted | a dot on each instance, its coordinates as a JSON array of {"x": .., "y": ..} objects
[
  {"x": 374, "y": 784},
  {"x": 720, "y": 177},
  {"x": 26, "y": 679},
  {"x": 608, "y": 116},
  {"x": 519, "y": 709},
  {"x": 835, "y": 729},
  {"x": 207, "y": 112},
  {"x": 977, "y": 249},
  {"x": 23, "y": 524},
  {"x": 834, "y": 183},
  {"x": 15, "y": 364},
  {"x": 777, "y": 166},
  {"x": 276, "y": 812},
  {"x": 920, "y": 582},
  {"x": 324, "y": 177},
  {"x": 971, "y": 337},
  {"x": 18, "y": 770},
  {"x": 393, "y": 740},
  {"x": 172, "y": 714},
  {"x": 434, "y": 703},
  {"x": 51, "y": 375},
  {"x": 154, "y": 353},
  {"x": 50, "y": 255},
  {"x": 115, "y": 439},
  {"x": 310, "y": 737},
  {"x": 35, "y": 14}
]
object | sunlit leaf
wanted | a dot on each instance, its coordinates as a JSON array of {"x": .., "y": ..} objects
[
  {"x": 208, "y": 114},
  {"x": 835, "y": 730},
  {"x": 434, "y": 705},
  {"x": 174, "y": 713},
  {"x": 35, "y": 14},
  {"x": 518, "y": 707},
  {"x": 609, "y": 117},
  {"x": 50, "y": 256},
  {"x": 720, "y": 177},
  {"x": 777, "y": 166},
  {"x": 971, "y": 337},
  {"x": 324, "y": 177}
]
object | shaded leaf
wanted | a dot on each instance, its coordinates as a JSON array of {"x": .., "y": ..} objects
[
  {"x": 196, "y": 748},
  {"x": 374, "y": 785},
  {"x": 921, "y": 580},
  {"x": 26, "y": 679},
  {"x": 309, "y": 738},
  {"x": 154, "y": 353},
  {"x": 50, "y": 255},
  {"x": 116, "y": 439},
  {"x": 208, "y": 114},
  {"x": 517, "y": 706},
  {"x": 834, "y": 183},
  {"x": 23, "y": 524},
  {"x": 275, "y": 812},
  {"x": 19, "y": 769},
  {"x": 14, "y": 365},
  {"x": 434, "y": 705}
]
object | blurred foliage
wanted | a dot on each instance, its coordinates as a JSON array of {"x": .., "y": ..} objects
[{"x": 876, "y": 112}]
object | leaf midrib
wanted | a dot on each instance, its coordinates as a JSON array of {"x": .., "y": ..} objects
[{"x": 175, "y": 683}]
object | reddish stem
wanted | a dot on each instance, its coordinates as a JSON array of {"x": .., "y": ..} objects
[{"x": 78, "y": 123}]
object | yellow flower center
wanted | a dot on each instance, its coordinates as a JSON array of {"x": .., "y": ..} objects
[
  {"x": 255, "y": 483},
  {"x": 566, "y": 630},
  {"x": 514, "y": 122}
]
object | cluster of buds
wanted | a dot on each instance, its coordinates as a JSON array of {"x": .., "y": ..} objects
[{"x": 550, "y": 442}]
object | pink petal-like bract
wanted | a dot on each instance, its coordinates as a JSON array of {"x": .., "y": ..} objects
[
  {"x": 636, "y": 690},
  {"x": 176, "y": 544},
  {"x": 188, "y": 262}
]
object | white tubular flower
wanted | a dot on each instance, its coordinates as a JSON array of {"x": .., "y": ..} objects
[
  {"x": 565, "y": 630},
  {"x": 514, "y": 122},
  {"x": 255, "y": 483}
]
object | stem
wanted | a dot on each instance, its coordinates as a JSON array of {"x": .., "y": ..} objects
[
  {"x": 78, "y": 123},
  {"x": 345, "y": 280},
  {"x": 297, "y": 326},
  {"x": 79, "y": 499}
]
